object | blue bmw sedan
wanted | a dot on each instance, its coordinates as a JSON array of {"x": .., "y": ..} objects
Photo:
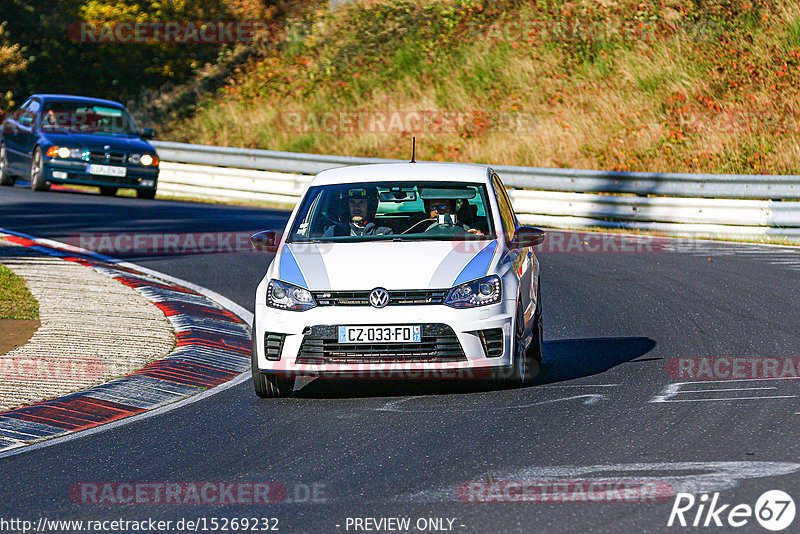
[{"x": 60, "y": 139}]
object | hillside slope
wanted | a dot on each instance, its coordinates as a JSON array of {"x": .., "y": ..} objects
[{"x": 673, "y": 85}]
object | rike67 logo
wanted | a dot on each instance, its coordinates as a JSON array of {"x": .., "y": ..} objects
[{"x": 774, "y": 510}]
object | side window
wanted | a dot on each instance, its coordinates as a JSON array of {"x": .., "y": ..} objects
[
  {"x": 17, "y": 114},
  {"x": 29, "y": 113},
  {"x": 506, "y": 212},
  {"x": 304, "y": 229},
  {"x": 33, "y": 109}
]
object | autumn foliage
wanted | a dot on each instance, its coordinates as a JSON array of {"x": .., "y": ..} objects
[{"x": 656, "y": 85}]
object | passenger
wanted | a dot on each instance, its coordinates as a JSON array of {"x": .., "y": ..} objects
[
  {"x": 362, "y": 204},
  {"x": 446, "y": 206}
]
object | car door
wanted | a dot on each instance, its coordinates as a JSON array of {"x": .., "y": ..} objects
[
  {"x": 522, "y": 258},
  {"x": 11, "y": 138},
  {"x": 27, "y": 134}
]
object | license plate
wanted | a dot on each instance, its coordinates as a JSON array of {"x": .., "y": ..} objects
[
  {"x": 380, "y": 334},
  {"x": 107, "y": 170}
]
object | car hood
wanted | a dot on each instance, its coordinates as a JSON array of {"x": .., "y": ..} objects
[
  {"x": 387, "y": 264},
  {"x": 97, "y": 141}
]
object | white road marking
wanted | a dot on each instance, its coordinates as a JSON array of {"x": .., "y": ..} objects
[
  {"x": 720, "y": 389},
  {"x": 546, "y": 386},
  {"x": 672, "y": 390},
  {"x": 222, "y": 301},
  {"x": 732, "y": 399},
  {"x": 700, "y": 477},
  {"x": 782, "y": 256},
  {"x": 393, "y": 406}
]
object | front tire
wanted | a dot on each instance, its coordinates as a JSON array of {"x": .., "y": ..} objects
[
  {"x": 268, "y": 385},
  {"x": 523, "y": 364},
  {"x": 38, "y": 182},
  {"x": 536, "y": 350},
  {"x": 522, "y": 368},
  {"x": 5, "y": 177}
]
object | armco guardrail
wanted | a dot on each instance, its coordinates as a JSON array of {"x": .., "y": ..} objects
[
  {"x": 205, "y": 181},
  {"x": 680, "y": 204},
  {"x": 545, "y": 179},
  {"x": 265, "y": 160}
]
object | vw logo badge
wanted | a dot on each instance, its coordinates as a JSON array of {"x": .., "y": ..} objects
[{"x": 379, "y": 297}]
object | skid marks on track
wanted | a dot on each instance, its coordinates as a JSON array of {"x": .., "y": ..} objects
[
  {"x": 475, "y": 402},
  {"x": 787, "y": 258}
]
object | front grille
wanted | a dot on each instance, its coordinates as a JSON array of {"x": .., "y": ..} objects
[
  {"x": 273, "y": 345},
  {"x": 103, "y": 157},
  {"x": 439, "y": 345},
  {"x": 492, "y": 341},
  {"x": 396, "y": 298}
]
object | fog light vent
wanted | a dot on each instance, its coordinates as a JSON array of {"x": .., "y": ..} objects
[
  {"x": 273, "y": 345},
  {"x": 492, "y": 341}
]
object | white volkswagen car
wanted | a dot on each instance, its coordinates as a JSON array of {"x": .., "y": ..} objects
[{"x": 411, "y": 270}]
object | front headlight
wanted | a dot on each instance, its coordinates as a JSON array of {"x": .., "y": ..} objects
[
  {"x": 64, "y": 152},
  {"x": 143, "y": 159},
  {"x": 289, "y": 297},
  {"x": 480, "y": 292}
]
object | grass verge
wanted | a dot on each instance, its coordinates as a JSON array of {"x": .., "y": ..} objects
[{"x": 16, "y": 301}]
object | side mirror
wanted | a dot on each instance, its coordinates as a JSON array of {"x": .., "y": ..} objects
[
  {"x": 527, "y": 236},
  {"x": 26, "y": 120},
  {"x": 265, "y": 241},
  {"x": 147, "y": 133}
]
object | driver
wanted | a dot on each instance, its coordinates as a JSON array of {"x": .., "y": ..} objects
[
  {"x": 446, "y": 206},
  {"x": 55, "y": 115},
  {"x": 51, "y": 117},
  {"x": 362, "y": 204}
]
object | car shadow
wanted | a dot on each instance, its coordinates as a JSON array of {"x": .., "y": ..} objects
[
  {"x": 569, "y": 359},
  {"x": 565, "y": 359}
]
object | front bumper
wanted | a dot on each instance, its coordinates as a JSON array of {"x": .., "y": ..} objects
[
  {"x": 74, "y": 172},
  {"x": 454, "y": 341}
]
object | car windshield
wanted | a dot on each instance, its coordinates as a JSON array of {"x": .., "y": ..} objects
[
  {"x": 368, "y": 211},
  {"x": 87, "y": 118}
]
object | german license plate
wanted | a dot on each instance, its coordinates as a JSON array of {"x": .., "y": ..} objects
[
  {"x": 107, "y": 170},
  {"x": 380, "y": 334}
]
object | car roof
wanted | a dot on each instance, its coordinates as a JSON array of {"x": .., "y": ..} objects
[
  {"x": 394, "y": 172},
  {"x": 73, "y": 98}
]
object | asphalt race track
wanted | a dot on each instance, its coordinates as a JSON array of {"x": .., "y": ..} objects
[{"x": 604, "y": 405}]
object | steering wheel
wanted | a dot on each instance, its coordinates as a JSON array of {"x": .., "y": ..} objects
[
  {"x": 413, "y": 226},
  {"x": 446, "y": 229}
]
